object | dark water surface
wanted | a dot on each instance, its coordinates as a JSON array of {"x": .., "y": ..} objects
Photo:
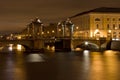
[{"x": 60, "y": 66}]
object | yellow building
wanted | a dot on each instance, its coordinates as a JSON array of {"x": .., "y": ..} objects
[{"x": 97, "y": 23}]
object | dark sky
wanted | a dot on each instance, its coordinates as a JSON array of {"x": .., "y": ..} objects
[{"x": 16, "y": 14}]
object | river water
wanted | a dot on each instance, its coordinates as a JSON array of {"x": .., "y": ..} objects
[{"x": 84, "y": 65}]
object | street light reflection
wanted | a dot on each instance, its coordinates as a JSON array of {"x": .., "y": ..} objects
[
  {"x": 19, "y": 47},
  {"x": 86, "y": 52},
  {"x": 10, "y": 47},
  {"x": 35, "y": 58},
  {"x": 109, "y": 53}
]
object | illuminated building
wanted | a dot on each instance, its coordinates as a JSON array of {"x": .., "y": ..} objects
[{"x": 97, "y": 23}]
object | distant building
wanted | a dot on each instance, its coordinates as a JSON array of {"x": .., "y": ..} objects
[
  {"x": 97, "y": 23},
  {"x": 50, "y": 31}
]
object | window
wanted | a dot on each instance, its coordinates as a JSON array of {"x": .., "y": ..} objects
[
  {"x": 113, "y": 19},
  {"x": 97, "y": 19},
  {"x": 114, "y": 32},
  {"x": 108, "y": 26},
  {"x": 108, "y": 19},
  {"x": 119, "y": 19},
  {"x": 97, "y": 26},
  {"x": 113, "y": 26}
]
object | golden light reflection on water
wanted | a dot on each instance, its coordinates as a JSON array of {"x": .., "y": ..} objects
[
  {"x": 35, "y": 58},
  {"x": 20, "y": 70},
  {"x": 96, "y": 67},
  {"x": 86, "y": 66},
  {"x": 14, "y": 69},
  {"x": 104, "y": 67}
]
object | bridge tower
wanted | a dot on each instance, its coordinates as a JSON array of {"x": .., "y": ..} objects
[
  {"x": 65, "y": 39},
  {"x": 35, "y": 28},
  {"x": 35, "y": 31}
]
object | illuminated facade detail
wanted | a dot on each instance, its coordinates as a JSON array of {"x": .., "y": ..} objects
[{"x": 100, "y": 22}]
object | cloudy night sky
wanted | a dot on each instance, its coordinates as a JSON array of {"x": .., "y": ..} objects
[{"x": 16, "y": 14}]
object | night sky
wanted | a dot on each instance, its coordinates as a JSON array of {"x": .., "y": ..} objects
[{"x": 16, "y": 14}]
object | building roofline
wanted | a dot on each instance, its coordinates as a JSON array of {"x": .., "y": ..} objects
[{"x": 99, "y": 10}]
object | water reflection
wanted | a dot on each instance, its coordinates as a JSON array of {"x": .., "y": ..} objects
[
  {"x": 20, "y": 68},
  {"x": 11, "y": 47},
  {"x": 86, "y": 53},
  {"x": 35, "y": 57},
  {"x": 104, "y": 67},
  {"x": 63, "y": 66},
  {"x": 8, "y": 71},
  {"x": 12, "y": 66}
]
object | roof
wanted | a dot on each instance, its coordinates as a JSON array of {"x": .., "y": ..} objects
[{"x": 101, "y": 10}]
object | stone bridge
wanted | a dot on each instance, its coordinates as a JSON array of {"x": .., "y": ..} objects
[
  {"x": 28, "y": 44},
  {"x": 62, "y": 43}
]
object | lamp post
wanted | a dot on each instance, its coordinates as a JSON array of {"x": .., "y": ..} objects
[
  {"x": 110, "y": 36},
  {"x": 59, "y": 24}
]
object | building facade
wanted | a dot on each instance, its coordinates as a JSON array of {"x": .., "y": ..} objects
[{"x": 98, "y": 23}]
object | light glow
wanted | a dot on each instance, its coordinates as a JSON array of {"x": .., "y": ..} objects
[
  {"x": 48, "y": 32},
  {"x": 53, "y": 48},
  {"x": 96, "y": 31},
  {"x": 19, "y": 37},
  {"x": 42, "y": 32},
  {"x": 77, "y": 27},
  {"x": 59, "y": 30},
  {"x": 10, "y": 47},
  {"x": 109, "y": 31},
  {"x": 53, "y": 31},
  {"x": 19, "y": 47},
  {"x": 86, "y": 52},
  {"x": 86, "y": 43}
]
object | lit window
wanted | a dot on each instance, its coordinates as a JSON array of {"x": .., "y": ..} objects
[
  {"x": 76, "y": 27},
  {"x": 59, "y": 29},
  {"x": 53, "y": 31}
]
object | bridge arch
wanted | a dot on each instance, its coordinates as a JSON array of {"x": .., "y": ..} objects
[
  {"x": 87, "y": 45},
  {"x": 27, "y": 44},
  {"x": 14, "y": 46}
]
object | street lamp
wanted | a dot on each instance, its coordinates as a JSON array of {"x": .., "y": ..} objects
[
  {"x": 71, "y": 25},
  {"x": 109, "y": 34}
]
